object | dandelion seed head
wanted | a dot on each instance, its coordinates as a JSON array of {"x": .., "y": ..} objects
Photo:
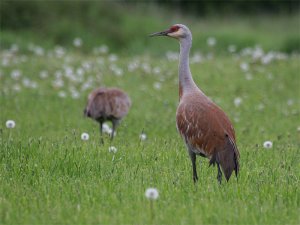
[
  {"x": 237, "y": 101},
  {"x": 290, "y": 102},
  {"x": 43, "y": 74},
  {"x": 157, "y": 85},
  {"x": 211, "y": 41},
  {"x": 151, "y": 193},
  {"x": 244, "y": 66},
  {"x": 143, "y": 136},
  {"x": 85, "y": 136},
  {"x": 10, "y": 124},
  {"x": 77, "y": 42},
  {"x": 112, "y": 58},
  {"x": 15, "y": 74},
  {"x": 112, "y": 149},
  {"x": 268, "y": 144},
  {"x": 232, "y": 48},
  {"x": 62, "y": 94}
]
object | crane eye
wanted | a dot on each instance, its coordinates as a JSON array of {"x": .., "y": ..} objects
[{"x": 174, "y": 28}]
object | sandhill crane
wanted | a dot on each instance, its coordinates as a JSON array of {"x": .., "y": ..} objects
[
  {"x": 107, "y": 104},
  {"x": 204, "y": 127}
]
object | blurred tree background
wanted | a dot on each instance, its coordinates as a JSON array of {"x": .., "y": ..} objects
[{"x": 124, "y": 25}]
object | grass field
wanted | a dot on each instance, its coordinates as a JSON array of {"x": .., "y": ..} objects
[{"x": 49, "y": 175}]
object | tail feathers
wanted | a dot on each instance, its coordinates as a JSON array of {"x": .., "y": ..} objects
[{"x": 228, "y": 159}]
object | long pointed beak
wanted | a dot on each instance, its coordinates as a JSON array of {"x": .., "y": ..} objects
[{"x": 162, "y": 33}]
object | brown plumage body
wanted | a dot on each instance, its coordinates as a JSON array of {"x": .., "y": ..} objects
[
  {"x": 207, "y": 132},
  {"x": 204, "y": 127},
  {"x": 107, "y": 104}
]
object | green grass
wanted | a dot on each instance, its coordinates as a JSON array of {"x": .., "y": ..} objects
[{"x": 48, "y": 175}]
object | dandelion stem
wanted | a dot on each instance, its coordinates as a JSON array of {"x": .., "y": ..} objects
[{"x": 151, "y": 211}]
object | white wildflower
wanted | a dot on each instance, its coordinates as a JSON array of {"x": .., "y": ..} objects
[
  {"x": 10, "y": 124},
  {"x": 268, "y": 144},
  {"x": 62, "y": 94},
  {"x": 103, "y": 49},
  {"x": 156, "y": 70},
  {"x": 112, "y": 149},
  {"x": 244, "y": 66},
  {"x": 14, "y": 48},
  {"x": 85, "y": 136},
  {"x": 290, "y": 102},
  {"x": 157, "y": 85},
  {"x": 211, "y": 41},
  {"x": 146, "y": 68},
  {"x": 151, "y": 193},
  {"x": 15, "y": 74},
  {"x": 143, "y": 136},
  {"x": 112, "y": 58},
  {"x": 77, "y": 42},
  {"x": 231, "y": 48},
  {"x": 237, "y": 101},
  {"x": 106, "y": 129},
  {"x": 16, "y": 87},
  {"x": 43, "y": 74},
  {"x": 172, "y": 56}
]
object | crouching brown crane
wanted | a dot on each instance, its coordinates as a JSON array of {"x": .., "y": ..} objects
[
  {"x": 204, "y": 127},
  {"x": 107, "y": 104}
]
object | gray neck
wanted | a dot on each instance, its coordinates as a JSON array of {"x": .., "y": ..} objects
[{"x": 185, "y": 77}]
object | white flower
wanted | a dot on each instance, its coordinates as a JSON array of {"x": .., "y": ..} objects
[
  {"x": 231, "y": 48},
  {"x": 16, "y": 74},
  {"x": 157, "y": 85},
  {"x": 103, "y": 49},
  {"x": 143, "y": 137},
  {"x": 172, "y": 56},
  {"x": 244, "y": 66},
  {"x": 10, "y": 124},
  {"x": 112, "y": 58},
  {"x": 85, "y": 136},
  {"x": 197, "y": 58},
  {"x": 290, "y": 102},
  {"x": 257, "y": 53},
  {"x": 237, "y": 101},
  {"x": 105, "y": 128},
  {"x": 17, "y": 87},
  {"x": 112, "y": 149},
  {"x": 298, "y": 129},
  {"x": 59, "y": 51},
  {"x": 14, "y": 48},
  {"x": 268, "y": 144},
  {"x": 156, "y": 70},
  {"x": 38, "y": 51},
  {"x": 62, "y": 94},
  {"x": 58, "y": 83},
  {"x": 43, "y": 74},
  {"x": 211, "y": 41},
  {"x": 151, "y": 193},
  {"x": 26, "y": 82},
  {"x": 77, "y": 42},
  {"x": 75, "y": 94}
]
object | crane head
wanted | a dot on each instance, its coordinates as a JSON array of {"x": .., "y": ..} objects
[{"x": 178, "y": 31}]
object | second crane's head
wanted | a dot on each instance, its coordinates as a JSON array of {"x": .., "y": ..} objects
[{"x": 177, "y": 31}]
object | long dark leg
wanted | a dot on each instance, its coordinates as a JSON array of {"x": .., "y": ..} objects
[
  {"x": 101, "y": 135},
  {"x": 193, "y": 159},
  {"x": 219, "y": 173},
  {"x": 114, "y": 126}
]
